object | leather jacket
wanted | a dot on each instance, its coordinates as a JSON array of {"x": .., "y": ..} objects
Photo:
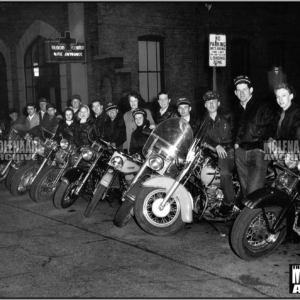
[
  {"x": 169, "y": 113},
  {"x": 115, "y": 131},
  {"x": 221, "y": 130},
  {"x": 82, "y": 131},
  {"x": 290, "y": 125},
  {"x": 66, "y": 131},
  {"x": 255, "y": 124},
  {"x": 99, "y": 125}
]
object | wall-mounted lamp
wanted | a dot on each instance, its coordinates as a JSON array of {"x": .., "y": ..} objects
[
  {"x": 36, "y": 69},
  {"x": 208, "y": 6}
]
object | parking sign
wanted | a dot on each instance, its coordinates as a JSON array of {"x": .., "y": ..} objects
[{"x": 217, "y": 50}]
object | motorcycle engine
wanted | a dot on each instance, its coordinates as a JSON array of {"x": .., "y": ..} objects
[
  {"x": 214, "y": 193},
  {"x": 285, "y": 182}
]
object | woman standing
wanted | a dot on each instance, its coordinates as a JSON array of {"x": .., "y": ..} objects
[
  {"x": 83, "y": 127},
  {"x": 135, "y": 100},
  {"x": 67, "y": 125}
]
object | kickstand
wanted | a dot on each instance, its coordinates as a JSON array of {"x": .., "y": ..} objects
[{"x": 216, "y": 228}]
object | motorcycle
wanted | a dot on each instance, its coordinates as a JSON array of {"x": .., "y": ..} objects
[
  {"x": 261, "y": 226},
  {"x": 47, "y": 180},
  {"x": 85, "y": 175},
  {"x": 44, "y": 149},
  {"x": 119, "y": 173},
  {"x": 166, "y": 146},
  {"x": 8, "y": 167}
]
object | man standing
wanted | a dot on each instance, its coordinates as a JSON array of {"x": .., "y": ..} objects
[
  {"x": 76, "y": 102},
  {"x": 184, "y": 108},
  {"x": 115, "y": 130},
  {"x": 100, "y": 117},
  {"x": 255, "y": 125},
  {"x": 166, "y": 111},
  {"x": 219, "y": 135},
  {"x": 43, "y": 111}
]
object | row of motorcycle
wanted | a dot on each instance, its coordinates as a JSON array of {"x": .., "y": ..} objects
[{"x": 176, "y": 180}]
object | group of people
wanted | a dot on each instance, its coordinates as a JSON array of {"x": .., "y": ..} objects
[
  {"x": 242, "y": 136},
  {"x": 238, "y": 136}
]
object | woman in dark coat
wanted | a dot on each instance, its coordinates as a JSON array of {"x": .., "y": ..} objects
[
  {"x": 138, "y": 138},
  {"x": 67, "y": 125},
  {"x": 83, "y": 128}
]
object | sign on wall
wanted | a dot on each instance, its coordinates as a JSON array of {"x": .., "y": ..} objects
[
  {"x": 217, "y": 50},
  {"x": 65, "y": 50}
]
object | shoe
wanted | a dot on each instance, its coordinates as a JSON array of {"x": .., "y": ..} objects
[{"x": 225, "y": 210}]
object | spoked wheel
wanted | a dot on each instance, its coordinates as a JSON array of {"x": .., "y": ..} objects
[
  {"x": 151, "y": 219},
  {"x": 250, "y": 237},
  {"x": 42, "y": 187},
  {"x": 3, "y": 176},
  {"x": 22, "y": 180},
  {"x": 64, "y": 196}
]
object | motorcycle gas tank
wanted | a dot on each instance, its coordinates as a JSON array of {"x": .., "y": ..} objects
[
  {"x": 123, "y": 164},
  {"x": 210, "y": 175}
]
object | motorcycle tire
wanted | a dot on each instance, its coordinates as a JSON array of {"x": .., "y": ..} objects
[
  {"x": 155, "y": 222},
  {"x": 63, "y": 197},
  {"x": 17, "y": 187},
  {"x": 39, "y": 191},
  {"x": 123, "y": 214},
  {"x": 9, "y": 177},
  {"x": 97, "y": 196},
  {"x": 3, "y": 177},
  {"x": 247, "y": 238}
]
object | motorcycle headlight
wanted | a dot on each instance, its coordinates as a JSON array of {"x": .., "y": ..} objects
[
  {"x": 156, "y": 163},
  {"x": 40, "y": 150},
  {"x": 87, "y": 154},
  {"x": 117, "y": 162},
  {"x": 64, "y": 144},
  {"x": 291, "y": 160}
]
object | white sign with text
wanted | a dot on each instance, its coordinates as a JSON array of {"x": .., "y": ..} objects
[{"x": 217, "y": 50}]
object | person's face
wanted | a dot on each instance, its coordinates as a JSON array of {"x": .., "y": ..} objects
[
  {"x": 243, "y": 92},
  {"x": 68, "y": 115},
  {"x": 75, "y": 103},
  {"x": 43, "y": 106},
  {"x": 139, "y": 119},
  {"x": 51, "y": 111},
  {"x": 30, "y": 110},
  {"x": 284, "y": 98},
  {"x": 13, "y": 115},
  {"x": 134, "y": 102},
  {"x": 184, "y": 110},
  {"x": 112, "y": 113},
  {"x": 163, "y": 101},
  {"x": 84, "y": 113},
  {"x": 212, "y": 105},
  {"x": 97, "y": 108}
]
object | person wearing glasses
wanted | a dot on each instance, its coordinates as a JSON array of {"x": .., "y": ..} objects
[{"x": 255, "y": 122}]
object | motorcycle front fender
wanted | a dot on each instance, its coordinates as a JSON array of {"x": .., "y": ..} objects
[
  {"x": 266, "y": 197},
  {"x": 107, "y": 178},
  {"x": 184, "y": 197},
  {"x": 73, "y": 175}
]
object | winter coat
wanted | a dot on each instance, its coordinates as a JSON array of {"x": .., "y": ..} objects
[{"x": 115, "y": 131}]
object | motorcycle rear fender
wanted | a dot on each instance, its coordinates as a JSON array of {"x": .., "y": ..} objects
[
  {"x": 73, "y": 175},
  {"x": 266, "y": 197},
  {"x": 184, "y": 197}
]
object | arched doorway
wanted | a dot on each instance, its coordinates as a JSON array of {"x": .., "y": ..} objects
[{"x": 41, "y": 79}]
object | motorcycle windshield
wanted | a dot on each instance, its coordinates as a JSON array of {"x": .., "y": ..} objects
[{"x": 170, "y": 137}]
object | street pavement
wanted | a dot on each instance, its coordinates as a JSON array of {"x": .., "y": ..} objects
[{"x": 50, "y": 253}]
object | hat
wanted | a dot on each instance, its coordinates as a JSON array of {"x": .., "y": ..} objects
[
  {"x": 183, "y": 101},
  {"x": 76, "y": 96},
  {"x": 111, "y": 106},
  {"x": 139, "y": 111},
  {"x": 241, "y": 79},
  {"x": 43, "y": 100},
  {"x": 50, "y": 105},
  {"x": 211, "y": 95},
  {"x": 12, "y": 110}
]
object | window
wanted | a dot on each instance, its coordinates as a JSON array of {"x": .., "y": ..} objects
[
  {"x": 151, "y": 67},
  {"x": 240, "y": 57},
  {"x": 42, "y": 80}
]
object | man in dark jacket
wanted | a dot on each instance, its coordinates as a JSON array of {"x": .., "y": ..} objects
[
  {"x": 115, "y": 130},
  {"x": 219, "y": 135},
  {"x": 166, "y": 111},
  {"x": 255, "y": 125},
  {"x": 184, "y": 108},
  {"x": 100, "y": 118}
]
